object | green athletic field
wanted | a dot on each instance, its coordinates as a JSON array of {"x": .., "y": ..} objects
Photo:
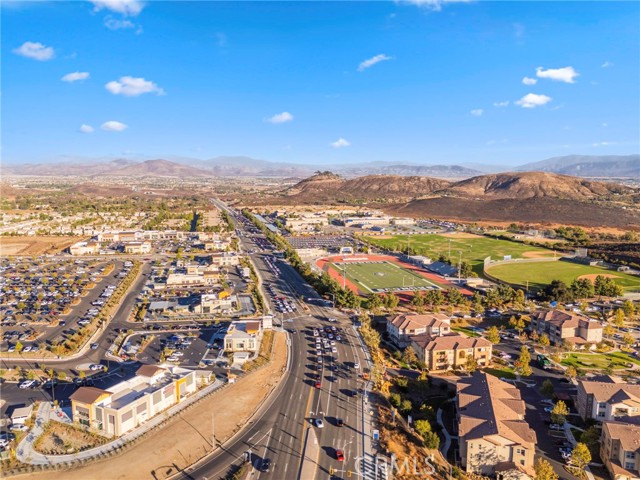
[
  {"x": 474, "y": 249},
  {"x": 542, "y": 273},
  {"x": 372, "y": 277}
]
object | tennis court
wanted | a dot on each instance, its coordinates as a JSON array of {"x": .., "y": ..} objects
[{"x": 379, "y": 277}]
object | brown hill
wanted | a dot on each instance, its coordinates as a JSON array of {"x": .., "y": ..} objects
[
  {"x": 535, "y": 185},
  {"x": 159, "y": 168},
  {"x": 327, "y": 186}
]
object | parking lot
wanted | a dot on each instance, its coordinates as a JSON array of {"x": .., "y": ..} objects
[{"x": 50, "y": 307}]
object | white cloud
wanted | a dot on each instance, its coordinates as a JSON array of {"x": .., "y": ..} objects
[
  {"x": 435, "y": 5},
  {"x": 603, "y": 144},
  {"x": 340, "y": 143},
  {"x": 117, "y": 24},
  {"x": 501, "y": 104},
  {"x": 607, "y": 64},
  {"x": 75, "y": 76},
  {"x": 532, "y": 100},
  {"x": 605, "y": 125},
  {"x": 133, "y": 87},
  {"x": 529, "y": 81},
  {"x": 124, "y": 7},
  {"x": 114, "y": 126},
  {"x": 564, "y": 74},
  {"x": 477, "y": 112},
  {"x": 281, "y": 118},
  {"x": 370, "y": 62},
  {"x": 35, "y": 50},
  {"x": 87, "y": 128}
]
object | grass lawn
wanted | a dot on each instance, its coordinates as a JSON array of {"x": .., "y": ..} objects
[
  {"x": 372, "y": 277},
  {"x": 502, "y": 372},
  {"x": 467, "y": 331},
  {"x": 540, "y": 274},
  {"x": 474, "y": 248},
  {"x": 599, "y": 361}
]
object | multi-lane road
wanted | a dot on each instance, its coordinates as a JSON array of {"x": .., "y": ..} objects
[{"x": 278, "y": 430}]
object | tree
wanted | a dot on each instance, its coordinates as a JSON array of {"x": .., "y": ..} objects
[
  {"x": 547, "y": 388},
  {"x": 493, "y": 335},
  {"x": 591, "y": 437},
  {"x": 454, "y": 296},
  {"x": 432, "y": 441},
  {"x": 395, "y": 399},
  {"x": 409, "y": 356},
  {"x": 544, "y": 341},
  {"x": 392, "y": 301},
  {"x": 628, "y": 339},
  {"x": 374, "y": 302},
  {"x": 522, "y": 365},
  {"x": 422, "y": 427},
  {"x": 517, "y": 323},
  {"x": 19, "y": 347},
  {"x": 559, "y": 291},
  {"x": 544, "y": 470},
  {"x": 608, "y": 331},
  {"x": 571, "y": 372},
  {"x": 580, "y": 455},
  {"x": 406, "y": 406},
  {"x": 471, "y": 365},
  {"x": 534, "y": 337},
  {"x": 582, "y": 288},
  {"x": 618, "y": 318},
  {"x": 629, "y": 309},
  {"x": 559, "y": 413}
]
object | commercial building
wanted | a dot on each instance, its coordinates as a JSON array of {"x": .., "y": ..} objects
[
  {"x": 451, "y": 352},
  {"x": 403, "y": 221},
  {"x": 243, "y": 336},
  {"x": 128, "y": 404},
  {"x": 305, "y": 224},
  {"x": 607, "y": 400},
  {"x": 402, "y": 327},
  {"x": 84, "y": 248},
  {"x": 563, "y": 326},
  {"x": 620, "y": 450},
  {"x": 137, "y": 247},
  {"x": 367, "y": 221},
  {"x": 216, "y": 302},
  {"x": 493, "y": 435},
  {"x": 224, "y": 259}
]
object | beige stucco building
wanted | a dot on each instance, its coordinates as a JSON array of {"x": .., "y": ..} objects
[
  {"x": 607, "y": 400},
  {"x": 401, "y": 327},
  {"x": 130, "y": 403},
  {"x": 493, "y": 435},
  {"x": 620, "y": 450},
  {"x": 451, "y": 352},
  {"x": 563, "y": 326}
]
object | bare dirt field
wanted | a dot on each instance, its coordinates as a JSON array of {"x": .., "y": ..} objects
[
  {"x": 460, "y": 235},
  {"x": 60, "y": 439},
  {"x": 188, "y": 437},
  {"x": 35, "y": 245}
]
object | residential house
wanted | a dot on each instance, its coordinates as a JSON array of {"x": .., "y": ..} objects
[
  {"x": 132, "y": 402},
  {"x": 401, "y": 327},
  {"x": 243, "y": 336},
  {"x": 608, "y": 400},
  {"x": 452, "y": 351},
  {"x": 569, "y": 327},
  {"x": 493, "y": 435},
  {"x": 620, "y": 450}
]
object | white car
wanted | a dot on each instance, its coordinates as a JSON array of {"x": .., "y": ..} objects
[
  {"x": 27, "y": 384},
  {"x": 19, "y": 427},
  {"x": 356, "y": 365},
  {"x": 95, "y": 366}
]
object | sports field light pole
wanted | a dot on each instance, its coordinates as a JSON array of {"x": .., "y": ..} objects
[{"x": 459, "y": 266}]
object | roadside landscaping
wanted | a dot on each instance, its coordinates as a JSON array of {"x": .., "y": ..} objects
[
  {"x": 502, "y": 372},
  {"x": 599, "y": 361},
  {"x": 264, "y": 355},
  {"x": 61, "y": 439}
]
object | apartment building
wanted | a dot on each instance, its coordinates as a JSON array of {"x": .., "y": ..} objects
[
  {"x": 452, "y": 351},
  {"x": 493, "y": 435},
  {"x": 608, "y": 400},
  {"x": 402, "y": 327},
  {"x": 569, "y": 327},
  {"x": 128, "y": 404},
  {"x": 620, "y": 450},
  {"x": 243, "y": 336}
]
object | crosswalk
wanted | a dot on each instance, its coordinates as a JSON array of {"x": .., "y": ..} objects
[{"x": 371, "y": 469}]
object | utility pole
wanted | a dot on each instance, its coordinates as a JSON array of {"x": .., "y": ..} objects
[
  {"x": 213, "y": 431},
  {"x": 449, "y": 249},
  {"x": 459, "y": 265}
]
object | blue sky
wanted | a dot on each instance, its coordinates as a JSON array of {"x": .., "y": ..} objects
[{"x": 314, "y": 82}]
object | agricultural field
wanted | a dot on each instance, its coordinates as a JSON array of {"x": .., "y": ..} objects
[
  {"x": 540, "y": 274},
  {"x": 381, "y": 276},
  {"x": 472, "y": 248}
]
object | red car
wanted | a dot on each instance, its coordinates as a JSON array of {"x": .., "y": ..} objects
[
  {"x": 318, "y": 385},
  {"x": 340, "y": 455}
]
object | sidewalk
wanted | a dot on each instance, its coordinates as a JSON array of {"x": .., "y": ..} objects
[
  {"x": 26, "y": 454},
  {"x": 311, "y": 450},
  {"x": 572, "y": 440},
  {"x": 444, "y": 449}
]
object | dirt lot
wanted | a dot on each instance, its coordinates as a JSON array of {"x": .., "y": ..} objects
[
  {"x": 60, "y": 439},
  {"x": 35, "y": 245},
  {"x": 188, "y": 437}
]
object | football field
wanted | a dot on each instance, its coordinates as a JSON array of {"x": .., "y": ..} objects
[{"x": 379, "y": 277}]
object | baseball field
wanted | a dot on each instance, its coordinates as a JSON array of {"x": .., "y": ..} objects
[{"x": 540, "y": 274}]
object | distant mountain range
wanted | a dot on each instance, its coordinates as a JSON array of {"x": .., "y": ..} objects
[{"x": 623, "y": 166}]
